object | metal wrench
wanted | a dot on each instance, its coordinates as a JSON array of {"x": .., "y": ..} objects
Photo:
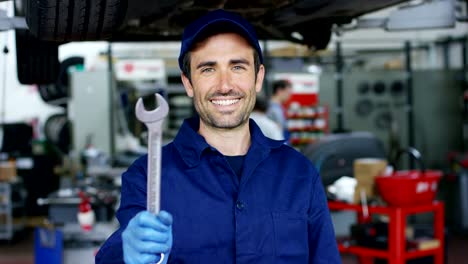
[{"x": 153, "y": 120}]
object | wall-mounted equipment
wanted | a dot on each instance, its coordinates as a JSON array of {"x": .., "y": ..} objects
[
  {"x": 397, "y": 88},
  {"x": 364, "y": 107},
  {"x": 379, "y": 87},
  {"x": 384, "y": 120},
  {"x": 363, "y": 87}
]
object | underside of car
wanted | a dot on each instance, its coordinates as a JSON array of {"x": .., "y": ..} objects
[
  {"x": 143, "y": 20},
  {"x": 307, "y": 22}
]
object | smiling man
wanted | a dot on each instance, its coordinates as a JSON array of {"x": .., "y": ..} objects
[{"x": 229, "y": 194}]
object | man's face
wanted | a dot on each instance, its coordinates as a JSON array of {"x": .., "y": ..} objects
[{"x": 223, "y": 84}]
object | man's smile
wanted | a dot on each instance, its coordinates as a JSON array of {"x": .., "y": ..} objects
[{"x": 224, "y": 102}]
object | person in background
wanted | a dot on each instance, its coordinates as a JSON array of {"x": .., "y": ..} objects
[
  {"x": 281, "y": 93},
  {"x": 228, "y": 193},
  {"x": 269, "y": 127}
]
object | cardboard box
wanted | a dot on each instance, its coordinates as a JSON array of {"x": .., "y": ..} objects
[
  {"x": 365, "y": 170},
  {"x": 7, "y": 171}
]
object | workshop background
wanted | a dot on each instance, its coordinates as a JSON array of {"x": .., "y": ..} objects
[{"x": 382, "y": 114}]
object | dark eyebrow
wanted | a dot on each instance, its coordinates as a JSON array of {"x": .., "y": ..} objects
[
  {"x": 205, "y": 64},
  {"x": 213, "y": 63},
  {"x": 240, "y": 61}
]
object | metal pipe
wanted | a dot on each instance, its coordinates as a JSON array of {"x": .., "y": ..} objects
[
  {"x": 111, "y": 104},
  {"x": 464, "y": 43},
  {"x": 446, "y": 53},
  {"x": 409, "y": 99},
  {"x": 339, "y": 87},
  {"x": 58, "y": 201},
  {"x": 464, "y": 50}
]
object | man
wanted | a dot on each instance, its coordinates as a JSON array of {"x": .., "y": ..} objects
[
  {"x": 268, "y": 127},
  {"x": 229, "y": 194},
  {"x": 281, "y": 93}
]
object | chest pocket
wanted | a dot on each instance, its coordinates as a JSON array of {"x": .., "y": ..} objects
[{"x": 291, "y": 236}]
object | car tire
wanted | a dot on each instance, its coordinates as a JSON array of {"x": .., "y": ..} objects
[
  {"x": 57, "y": 130},
  {"x": 36, "y": 60},
  {"x": 74, "y": 20}
]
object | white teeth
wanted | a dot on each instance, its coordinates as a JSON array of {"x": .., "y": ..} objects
[{"x": 225, "y": 102}]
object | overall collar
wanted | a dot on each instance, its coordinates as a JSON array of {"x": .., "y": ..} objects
[{"x": 191, "y": 145}]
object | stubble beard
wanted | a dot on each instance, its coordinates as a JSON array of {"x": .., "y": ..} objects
[{"x": 228, "y": 120}]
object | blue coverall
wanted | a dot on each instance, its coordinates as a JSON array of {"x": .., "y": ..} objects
[{"x": 276, "y": 213}]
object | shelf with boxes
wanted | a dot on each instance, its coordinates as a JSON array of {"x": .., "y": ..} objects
[
  {"x": 306, "y": 123},
  {"x": 11, "y": 209},
  {"x": 307, "y": 120},
  {"x": 12, "y": 198},
  {"x": 6, "y": 212}
]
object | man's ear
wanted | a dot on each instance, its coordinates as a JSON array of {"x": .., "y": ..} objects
[
  {"x": 260, "y": 77},
  {"x": 187, "y": 85}
]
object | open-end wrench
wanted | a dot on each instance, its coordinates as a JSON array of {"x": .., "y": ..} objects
[{"x": 153, "y": 120}]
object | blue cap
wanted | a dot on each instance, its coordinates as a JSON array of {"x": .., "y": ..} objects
[{"x": 222, "y": 20}]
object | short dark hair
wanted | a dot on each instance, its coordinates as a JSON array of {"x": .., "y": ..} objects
[{"x": 280, "y": 85}]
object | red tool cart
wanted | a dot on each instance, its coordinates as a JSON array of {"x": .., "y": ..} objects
[
  {"x": 397, "y": 252},
  {"x": 406, "y": 192}
]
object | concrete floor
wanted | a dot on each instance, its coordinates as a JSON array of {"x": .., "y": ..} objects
[{"x": 21, "y": 250}]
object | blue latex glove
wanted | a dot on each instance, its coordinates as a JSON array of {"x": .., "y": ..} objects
[{"x": 146, "y": 237}]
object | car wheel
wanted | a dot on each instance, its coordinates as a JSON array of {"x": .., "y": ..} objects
[
  {"x": 37, "y": 60},
  {"x": 57, "y": 130},
  {"x": 70, "y": 20}
]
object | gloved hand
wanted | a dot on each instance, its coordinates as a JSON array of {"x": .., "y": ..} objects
[{"x": 146, "y": 237}]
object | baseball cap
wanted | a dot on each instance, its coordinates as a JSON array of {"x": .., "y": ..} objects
[{"x": 223, "y": 21}]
